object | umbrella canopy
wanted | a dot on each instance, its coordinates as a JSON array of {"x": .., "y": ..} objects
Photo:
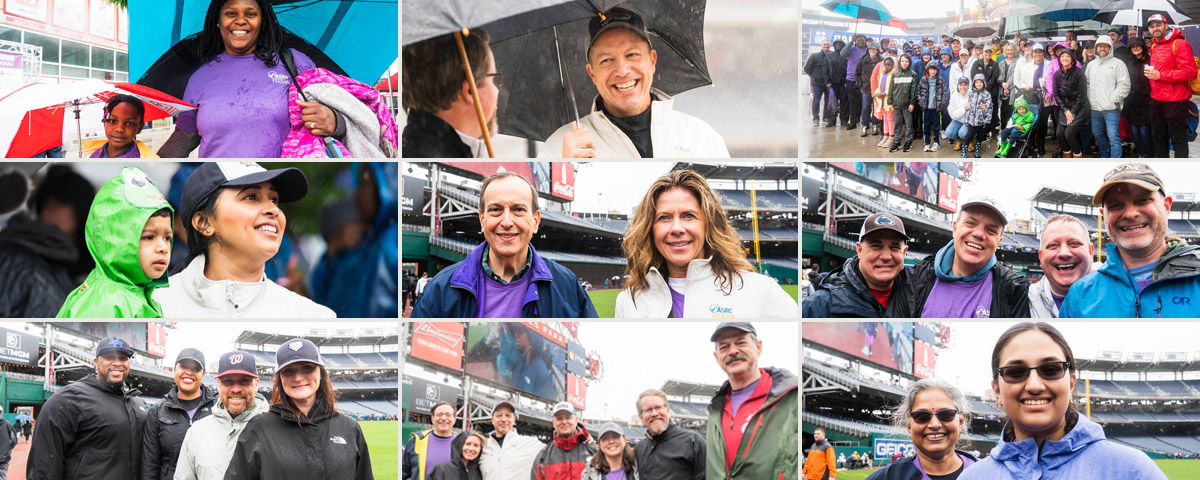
[
  {"x": 1071, "y": 11},
  {"x": 973, "y": 30},
  {"x": 860, "y": 9},
  {"x": 1016, "y": 10},
  {"x": 425, "y": 19},
  {"x": 1136, "y": 12},
  {"x": 390, "y": 84},
  {"x": 346, "y": 36},
  {"x": 24, "y": 417},
  {"x": 546, "y": 77},
  {"x": 894, "y": 23},
  {"x": 34, "y": 114}
]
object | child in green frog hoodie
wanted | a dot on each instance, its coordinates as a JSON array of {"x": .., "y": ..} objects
[
  {"x": 128, "y": 233},
  {"x": 1022, "y": 120}
]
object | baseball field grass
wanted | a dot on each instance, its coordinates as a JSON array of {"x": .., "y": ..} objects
[
  {"x": 1174, "y": 469},
  {"x": 605, "y": 301},
  {"x": 382, "y": 440}
]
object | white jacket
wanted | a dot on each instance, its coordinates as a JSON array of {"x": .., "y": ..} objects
[
  {"x": 191, "y": 294},
  {"x": 209, "y": 443},
  {"x": 513, "y": 461},
  {"x": 1107, "y": 80},
  {"x": 958, "y": 105},
  {"x": 755, "y": 296},
  {"x": 673, "y": 134},
  {"x": 1026, "y": 71}
]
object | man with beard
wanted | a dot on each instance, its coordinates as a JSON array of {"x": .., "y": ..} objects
[
  {"x": 872, "y": 283},
  {"x": 565, "y": 457},
  {"x": 508, "y": 455},
  {"x": 753, "y": 420},
  {"x": 668, "y": 452},
  {"x": 1170, "y": 95},
  {"x": 1066, "y": 256},
  {"x": 169, "y": 420},
  {"x": 210, "y": 443},
  {"x": 92, "y": 428},
  {"x": 432, "y": 447},
  {"x": 1147, "y": 274},
  {"x": 442, "y": 120},
  {"x": 965, "y": 279}
]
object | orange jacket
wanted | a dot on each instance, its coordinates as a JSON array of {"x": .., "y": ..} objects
[{"x": 821, "y": 458}]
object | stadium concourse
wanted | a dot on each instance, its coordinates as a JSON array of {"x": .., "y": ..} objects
[{"x": 589, "y": 243}]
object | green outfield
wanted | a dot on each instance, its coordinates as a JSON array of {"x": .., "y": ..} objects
[
  {"x": 1174, "y": 469},
  {"x": 605, "y": 301},
  {"x": 382, "y": 441}
]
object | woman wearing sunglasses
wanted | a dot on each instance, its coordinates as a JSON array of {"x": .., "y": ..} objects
[
  {"x": 1033, "y": 376},
  {"x": 934, "y": 412}
]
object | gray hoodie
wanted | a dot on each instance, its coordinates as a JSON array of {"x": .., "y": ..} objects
[{"x": 210, "y": 442}]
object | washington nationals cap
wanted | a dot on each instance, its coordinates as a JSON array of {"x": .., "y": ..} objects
[
  {"x": 290, "y": 183},
  {"x": 237, "y": 362},
  {"x": 296, "y": 350}
]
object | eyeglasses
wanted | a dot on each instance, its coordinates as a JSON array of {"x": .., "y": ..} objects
[
  {"x": 922, "y": 417},
  {"x": 1046, "y": 371},
  {"x": 497, "y": 78}
]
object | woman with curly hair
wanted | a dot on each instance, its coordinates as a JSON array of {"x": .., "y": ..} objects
[{"x": 685, "y": 259}]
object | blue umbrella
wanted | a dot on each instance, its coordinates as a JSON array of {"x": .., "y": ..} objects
[
  {"x": 1071, "y": 11},
  {"x": 352, "y": 34},
  {"x": 860, "y": 9},
  {"x": 24, "y": 418}
]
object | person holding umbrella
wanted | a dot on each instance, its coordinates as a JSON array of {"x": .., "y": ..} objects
[
  {"x": 629, "y": 118},
  {"x": 442, "y": 121}
]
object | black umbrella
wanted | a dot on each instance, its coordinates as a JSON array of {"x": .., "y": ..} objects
[
  {"x": 545, "y": 75},
  {"x": 973, "y": 30},
  {"x": 1136, "y": 12}
]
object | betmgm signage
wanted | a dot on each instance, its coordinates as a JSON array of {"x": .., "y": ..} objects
[{"x": 18, "y": 348}]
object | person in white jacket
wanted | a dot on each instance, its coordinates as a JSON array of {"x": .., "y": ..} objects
[
  {"x": 1066, "y": 256},
  {"x": 1107, "y": 85},
  {"x": 957, "y": 130},
  {"x": 234, "y": 225},
  {"x": 679, "y": 229},
  {"x": 210, "y": 442},
  {"x": 629, "y": 118},
  {"x": 507, "y": 454}
]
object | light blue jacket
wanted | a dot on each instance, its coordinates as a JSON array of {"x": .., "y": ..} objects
[
  {"x": 1111, "y": 291},
  {"x": 1082, "y": 454}
]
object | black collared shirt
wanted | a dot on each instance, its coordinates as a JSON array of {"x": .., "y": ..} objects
[{"x": 637, "y": 128}]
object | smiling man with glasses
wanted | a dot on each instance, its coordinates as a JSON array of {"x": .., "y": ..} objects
[
  {"x": 432, "y": 447},
  {"x": 668, "y": 452}
]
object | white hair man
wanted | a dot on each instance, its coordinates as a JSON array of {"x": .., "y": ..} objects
[{"x": 508, "y": 455}]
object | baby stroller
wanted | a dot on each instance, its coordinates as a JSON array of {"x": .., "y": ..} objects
[{"x": 1020, "y": 146}]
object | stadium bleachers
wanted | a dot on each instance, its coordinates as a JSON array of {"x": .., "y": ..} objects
[
  {"x": 854, "y": 427},
  {"x": 1088, "y": 220},
  {"x": 985, "y": 408},
  {"x": 1139, "y": 389},
  {"x": 768, "y": 199},
  {"x": 1182, "y": 227},
  {"x": 1153, "y": 444}
]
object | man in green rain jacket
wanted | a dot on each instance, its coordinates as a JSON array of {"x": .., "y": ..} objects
[{"x": 128, "y": 233}]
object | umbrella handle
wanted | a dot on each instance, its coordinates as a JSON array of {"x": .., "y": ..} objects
[{"x": 462, "y": 52}]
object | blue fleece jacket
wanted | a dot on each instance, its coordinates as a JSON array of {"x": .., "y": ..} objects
[
  {"x": 1083, "y": 453},
  {"x": 1110, "y": 292}
]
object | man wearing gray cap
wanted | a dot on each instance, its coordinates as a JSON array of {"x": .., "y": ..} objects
[
  {"x": 507, "y": 455},
  {"x": 668, "y": 452},
  {"x": 169, "y": 420},
  {"x": 872, "y": 283},
  {"x": 753, "y": 421},
  {"x": 210, "y": 443},
  {"x": 1147, "y": 274},
  {"x": 566, "y": 457},
  {"x": 965, "y": 279}
]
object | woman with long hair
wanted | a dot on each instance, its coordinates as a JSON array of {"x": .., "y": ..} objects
[
  {"x": 1074, "y": 113},
  {"x": 465, "y": 465},
  {"x": 935, "y": 415},
  {"x": 231, "y": 213},
  {"x": 1137, "y": 104},
  {"x": 1033, "y": 377},
  {"x": 685, "y": 259},
  {"x": 303, "y": 435},
  {"x": 614, "y": 460}
]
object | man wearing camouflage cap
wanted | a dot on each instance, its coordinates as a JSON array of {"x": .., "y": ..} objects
[{"x": 872, "y": 283}]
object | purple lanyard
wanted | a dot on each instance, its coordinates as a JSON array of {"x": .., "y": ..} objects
[{"x": 967, "y": 461}]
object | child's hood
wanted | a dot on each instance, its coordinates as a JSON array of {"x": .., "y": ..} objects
[{"x": 115, "y": 223}]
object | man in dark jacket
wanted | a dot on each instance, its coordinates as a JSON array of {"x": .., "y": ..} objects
[
  {"x": 169, "y": 421},
  {"x": 91, "y": 429},
  {"x": 964, "y": 279},
  {"x": 566, "y": 457},
  {"x": 1120, "y": 51},
  {"x": 34, "y": 261},
  {"x": 862, "y": 78},
  {"x": 871, "y": 284},
  {"x": 852, "y": 106},
  {"x": 819, "y": 68},
  {"x": 668, "y": 452},
  {"x": 8, "y": 440},
  {"x": 838, "y": 65},
  {"x": 442, "y": 121},
  {"x": 504, "y": 277}
]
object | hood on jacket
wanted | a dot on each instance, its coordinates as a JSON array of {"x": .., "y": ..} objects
[
  {"x": 40, "y": 238},
  {"x": 580, "y": 437},
  {"x": 947, "y": 51},
  {"x": 1021, "y": 103},
  {"x": 978, "y": 77},
  {"x": 120, "y": 211},
  {"x": 261, "y": 405},
  {"x": 385, "y": 174},
  {"x": 1104, "y": 40}
]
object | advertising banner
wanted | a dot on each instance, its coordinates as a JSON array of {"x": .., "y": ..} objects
[
  {"x": 947, "y": 192},
  {"x": 156, "y": 340},
  {"x": 516, "y": 356},
  {"x": 810, "y": 191},
  {"x": 36, "y": 10},
  {"x": 538, "y": 173},
  {"x": 886, "y": 447},
  {"x": 103, "y": 22},
  {"x": 553, "y": 331},
  {"x": 918, "y": 180},
  {"x": 562, "y": 178},
  {"x": 819, "y": 34},
  {"x": 440, "y": 343},
  {"x": 412, "y": 196},
  {"x": 133, "y": 333},
  {"x": 577, "y": 362},
  {"x": 12, "y": 71},
  {"x": 888, "y": 344},
  {"x": 576, "y": 392},
  {"x": 19, "y": 348},
  {"x": 426, "y": 394},
  {"x": 71, "y": 14},
  {"x": 924, "y": 359}
]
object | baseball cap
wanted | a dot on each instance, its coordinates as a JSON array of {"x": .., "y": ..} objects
[
  {"x": 290, "y": 183},
  {"x": 882, "y": 221},
  {"x": 563, "y": 406},
  {"x": 113, "y": 343},
  {"x": 743, "y": 326},
  {"x": 505, "y": 404},
  {"x": 1138, "y": 174},
  {"x": 191, "y": 354},
  {"x": 237, "y": 362},
  {"x": 988, "y": 203},
  {"x": 1038, "y": 46},
  {"x": 616, "y": 17},
  {"x": 1156, "y": 18},
  {"x": 296, "y": 350},
  {"x": 963, "y": 51},
  {"x": 611, "y": 427}
]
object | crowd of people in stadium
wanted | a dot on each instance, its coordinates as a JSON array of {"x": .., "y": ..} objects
[
  {"x": 99, "y": 428},
  {"x": 1146, "y": 273},
  {"x": 752, "y": 433},
  {"x": 968, "y": 92}
]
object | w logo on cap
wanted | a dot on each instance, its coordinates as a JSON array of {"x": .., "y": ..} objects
[
  {"x": 236, "y": 358},
  {"x": 296, "y": 346}
]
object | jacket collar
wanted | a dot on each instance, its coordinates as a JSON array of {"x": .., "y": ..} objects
[
  {"x": 656, "y": 96},
  {"x": 944, "y": 262},
  {"x": 1024, "y": 456},
  {"x": 469, "y": 274},
  {"x": 219, "y": 294},
  {"x": 171, "y": 399},
  {"x": 319, "y": 412},
  {"x": 261, "y": 405},
  {"x": 114, "y": 389},
  {"x": 567, "y": 443}
]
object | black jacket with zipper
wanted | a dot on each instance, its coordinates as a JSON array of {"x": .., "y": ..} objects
[
  {"x": 166, "y": 425},
  {"x": 278, "y": 445},
  {"x": 88, "y": 430},
  {"x": 674, "y": 454}
]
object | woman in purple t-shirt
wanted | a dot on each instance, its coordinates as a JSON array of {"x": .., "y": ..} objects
[
  {"x": 241, "y": 90},
  {"x": 615, "y": 459}
]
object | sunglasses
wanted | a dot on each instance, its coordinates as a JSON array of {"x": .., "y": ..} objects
[
  {"x": 922, "y": 417},
  {"x": 1046, "y": 371}
]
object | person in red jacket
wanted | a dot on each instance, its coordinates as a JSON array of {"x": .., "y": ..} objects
[
  {"x": 1171, "y": 68},
  {"x": 566, "y": 457}
]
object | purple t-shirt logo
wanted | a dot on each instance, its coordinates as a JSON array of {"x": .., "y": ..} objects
[{"x": 279, "y": 78}]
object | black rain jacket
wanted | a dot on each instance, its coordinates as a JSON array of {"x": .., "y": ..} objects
[
  {"x": 675, "y": 454},
  {"x": 88, "y": 430},
  {"x": 34, "y": 261},
  {"x": 166, "y": 425},
  {"x": 278, "y": 445},
  {"x": 427, "y": 136}
]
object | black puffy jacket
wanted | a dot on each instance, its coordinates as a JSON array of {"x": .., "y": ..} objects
[
  {"x": 455, "y": 470},
  {"x": 674, "y": 454},
  {"x": 278, "y": 445},
  {"x": 88, "y": 430},
  {"x": 1010, "y": 290},
  {"x": 844, "y": 293},
  {"x": 1070, "y": 93},
  {"x": 1137, "y": 103},
  {"x": 166, "y": 425},
  {"x": 8, "y": 440},
  {"x": 34, "y": 259}
]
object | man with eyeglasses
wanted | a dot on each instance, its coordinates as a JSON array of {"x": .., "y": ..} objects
[
  {"x": 668, "y": 452},
  {"x": 91, "y": 428},
  {"x": 1147, "y": 274},
  {"x": 628, "y": 118},
  {"x": 209, "y": 444},
  {"x": 753, "y": 420},
  {"x": 432, "y": 447},
  {"x": 442, "y": 120},
  {"x": 820, "y": 463}
]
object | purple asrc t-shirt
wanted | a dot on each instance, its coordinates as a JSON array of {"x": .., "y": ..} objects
[
  {"x": 504, "y": 301},
  {"x": 960, "y": 299},
  {"x": 437, "y": 453},
  {"x": 242, "y": 109},
  {"x": 618, "y": 474},
  {"x": 738, "y": 397},
  {"x": 131, "y": 152},
  {"x": 675, "y": 285}
]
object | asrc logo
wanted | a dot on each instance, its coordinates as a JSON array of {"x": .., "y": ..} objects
[{"x": 718, "y": 311}]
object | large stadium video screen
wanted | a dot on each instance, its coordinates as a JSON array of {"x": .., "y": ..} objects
[
  {"x": 514, "y": 355},
  {"x": 538, "y": 173},
  {"x": 918, "y": 180},
  {"x": 888, "y": 344}
]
